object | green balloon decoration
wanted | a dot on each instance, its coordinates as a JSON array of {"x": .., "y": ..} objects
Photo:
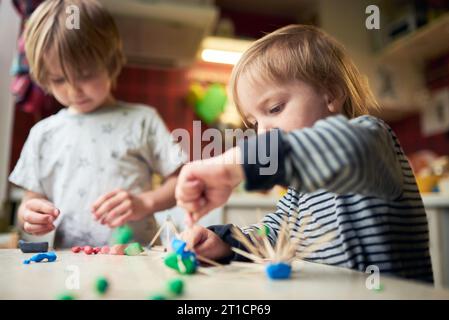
[{"x": 212, "y": 104}]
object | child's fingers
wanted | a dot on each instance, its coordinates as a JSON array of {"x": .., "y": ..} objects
[
  {"x": 42, "y": 206},
  {"x": 37, "y": 228},
  {"x": 190, "y": 190},
  {"x": 195, "y": 237},
  {"x": 103, "y": 198},
  {"x": 192, "y": 206},
  {"x": 119, "y": 210},
  {"x": 110, "y": 204},
  {"x": 201, "y": 211},
  {"x": 43, "y": 232},
  {"x": 37, "y": 218},
  {"x": 121, "y": 220}
]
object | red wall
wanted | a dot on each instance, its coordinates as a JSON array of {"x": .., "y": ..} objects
[{"x": 408, "y": 130}]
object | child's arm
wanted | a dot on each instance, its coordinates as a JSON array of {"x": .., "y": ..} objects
[
  {"x": 336, "y": 154},
  {"x": 340, "y": 155},
  {"x": 119, "y": 206},
  {"x": 36, "y": 214}
]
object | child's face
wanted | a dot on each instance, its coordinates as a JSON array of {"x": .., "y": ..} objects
[
  {"x": 85, "y": 94},
  {"x": 291, "y": 106}
]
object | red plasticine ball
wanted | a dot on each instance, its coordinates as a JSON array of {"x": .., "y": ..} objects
[
  {"x": 88, "y": 250},
  {"x": 104, "y": 250},
  {"x": 97, "y": 250},
  {"x": 76, "y": 249}
]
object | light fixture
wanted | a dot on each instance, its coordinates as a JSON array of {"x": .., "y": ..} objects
[
  {"x": 220, "y": 56},
  {"x": 223, "y": 50}
]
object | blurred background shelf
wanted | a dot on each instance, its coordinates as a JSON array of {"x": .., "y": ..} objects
[
  {"x": 435, "y": 200},
  {"x": 425, "y": 43}
]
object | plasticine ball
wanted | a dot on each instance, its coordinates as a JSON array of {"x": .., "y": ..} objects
[
  {"x": 175, "y": 286},
  {"x": 279, "y": 270},
  {"x": 122, "y": 235},
  {"x": 101, "y": 285},
  {"x": 212, "y": 105}
]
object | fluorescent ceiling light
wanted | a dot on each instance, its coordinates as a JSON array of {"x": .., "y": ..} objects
[
  {"x": 223, "y": 50},
  {"x": 220, "y": 56}
]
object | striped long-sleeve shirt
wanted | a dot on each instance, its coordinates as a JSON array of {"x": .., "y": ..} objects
[{"x": 353, "y": 179}]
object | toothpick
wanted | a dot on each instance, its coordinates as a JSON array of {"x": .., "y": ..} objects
[
  {"x": 156, "y": 235},
  {"x": 173, "y": 227},
  {"x": 209, "y": 261},
  {"x": 280, "y": 240},
  {"x": 268, "y": 247},
  {"x": 248, "y": 255},
  {"x": 260, "y": 248},
  {"x": 238, "y": 235}
]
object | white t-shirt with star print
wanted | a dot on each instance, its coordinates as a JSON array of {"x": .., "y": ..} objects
[{"x": 73, "y": 159}]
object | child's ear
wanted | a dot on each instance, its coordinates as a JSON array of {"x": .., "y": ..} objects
[{"x": 335, "y": 100}]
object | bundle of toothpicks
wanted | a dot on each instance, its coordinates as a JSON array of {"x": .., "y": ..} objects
[{"x": 286, "y": 249}]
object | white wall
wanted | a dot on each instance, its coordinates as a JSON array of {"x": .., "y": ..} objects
[
  {"x": 9, "y": 29},
  {"x": 345, "y": 20}
]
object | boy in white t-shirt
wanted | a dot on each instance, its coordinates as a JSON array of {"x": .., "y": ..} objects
[{"x": 88, "y": 168}]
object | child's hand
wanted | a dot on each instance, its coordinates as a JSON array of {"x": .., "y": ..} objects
[
  {"x": 38, "y": 216},
  {"x": 206, "y": 243},
  {"x": 207, "y": 184},
  {"x": 120, "y": 206}
]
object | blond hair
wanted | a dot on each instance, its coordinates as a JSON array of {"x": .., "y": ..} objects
[
  {"x": 96, "y": 44},
  {"x": 305, "y": 53}
]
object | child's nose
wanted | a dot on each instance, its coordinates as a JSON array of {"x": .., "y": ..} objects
[{"x": 74, "y": 89}]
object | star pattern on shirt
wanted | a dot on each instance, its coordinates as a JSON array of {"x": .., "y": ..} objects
[
  {"x": 129, "y": 141},
  {"x": 80, "y": 122},
  {"x": 82, "y": 193},
  {"x": 107, "y": 128},
  {"x": 114, "y": 154},
  {"x": 83, "y": 162}
]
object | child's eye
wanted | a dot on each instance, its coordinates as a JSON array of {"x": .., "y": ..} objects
[
  {"x": 276, "y": 109},
  {"x": 58, "y": 81}
]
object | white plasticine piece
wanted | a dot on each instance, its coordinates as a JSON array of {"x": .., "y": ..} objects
[{"x": 182, "y": 267}]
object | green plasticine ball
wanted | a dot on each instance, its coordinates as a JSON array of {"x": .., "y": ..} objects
[
  {"x": 211, "y": 106},
  {"x": 175, "y": 286},
  {"x": 380, "y": 289},
  {"x": 133, "y": 249},
  {"x": 101, "y": 285},
  {"x": 66, "y": 296},
  {"x": 158, "y": 297},
  {"x": 171, "y": 261},
  {"x": 263, "y": 231},
  {"x": 122, "y": 235}
]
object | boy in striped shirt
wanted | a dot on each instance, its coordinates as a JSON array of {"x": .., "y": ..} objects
[{"x": 344, "y": 168}]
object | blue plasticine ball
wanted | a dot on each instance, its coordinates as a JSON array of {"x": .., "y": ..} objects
[{"x": 279, "y": 270}]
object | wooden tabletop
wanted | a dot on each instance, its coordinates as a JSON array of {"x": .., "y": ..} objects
[{"x": 138, "y": 277}]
